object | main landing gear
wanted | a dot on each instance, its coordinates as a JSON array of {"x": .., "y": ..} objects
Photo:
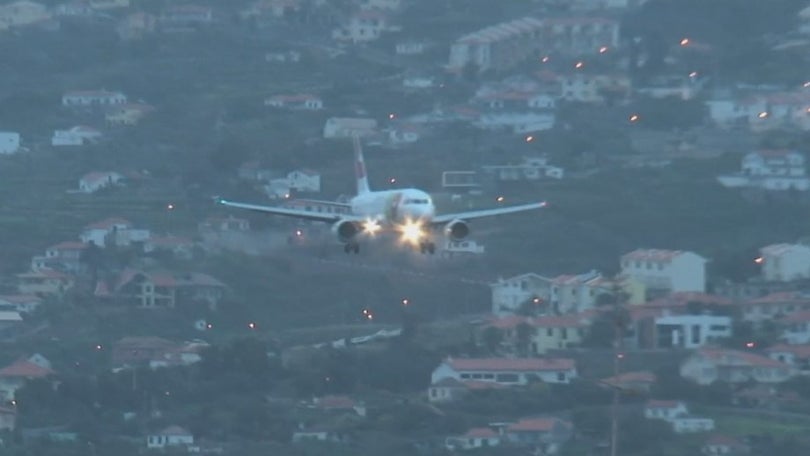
[
  {"x": 427, "y": 247},
  {"x": 351, "y": 247}
]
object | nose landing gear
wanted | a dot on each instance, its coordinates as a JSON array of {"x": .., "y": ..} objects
[
  {"x": 351, "y": 247},
  {"x": 427, "y": 247}
]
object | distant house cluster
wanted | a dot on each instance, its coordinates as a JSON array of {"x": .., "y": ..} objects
[
  {"x": 500, "y": 47},
  {"x": 777, "y": 170},
  {"x": 279, "y": 186}
]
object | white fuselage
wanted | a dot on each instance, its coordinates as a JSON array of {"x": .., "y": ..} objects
[{"x": 394, "y": 206}]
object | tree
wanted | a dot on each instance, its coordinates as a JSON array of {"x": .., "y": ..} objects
[
  {"x": 493, "y": 337},
  {"x": 523, "y": 338}
]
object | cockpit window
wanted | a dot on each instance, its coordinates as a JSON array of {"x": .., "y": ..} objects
[{"x": 417, "y": 201}]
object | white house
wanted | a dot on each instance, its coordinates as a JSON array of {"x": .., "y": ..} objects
[
  {"x": 532, "y": 168},
  {"x": 410, "y": 47},
  {"x": 508, "y": 295},
  {"x": 671, "y": 270},
  {"x": 690, "y": 331},
  {"x": 95, "y": 181},
  {"x": 481, "y": 437},
  {"x": 172, "y": 436},
  {"x": 75, "y": 136},
  {"x": 418, "y": 82},
  {"x": 785, "y": 262},
  {"x": 506, "y": 371},
  {"x": 345, "y": 127},
  {"x": 20, "y": 303},
  {"x": 93, "y": 98},
  {"x": 363, "y": 26},
  {"x": 718, "y": 445},
  {"x": 676, "y": 414},
  {"x": 664, "y": 410},
  {"x": 518, "y": 123},
  {"x": 301, "y": 101},
  {"x": 9, "y": 142},
  {"x": 708, "y": 365},
  {"x": 113, "y": 231},
  {"x": 770, "y": 170},
  {"x": 404, "y": 133},
  {"x": 304, "y": 180}
]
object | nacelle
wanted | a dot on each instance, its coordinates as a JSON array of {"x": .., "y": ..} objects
[
  {"x": 345, "y": 230},
  {"x": 457, "y": 230}
]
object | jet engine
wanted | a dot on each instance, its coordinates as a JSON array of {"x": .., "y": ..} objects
[
  {"x": 457, "y": 229},
  {"x": 345, "y": 230}
]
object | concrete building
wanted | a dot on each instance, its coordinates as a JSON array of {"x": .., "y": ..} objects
[
  {"x": 666, "y": 270},
  {"x": 690, "y": 331},
  {"x": 785, "y": 262}
]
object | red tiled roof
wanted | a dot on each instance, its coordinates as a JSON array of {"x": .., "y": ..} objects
[
  {"x": 335, "y": 402},
  {"x": 25, "y": 369},
  {"x": 796, "y": 317},
  {"x": 723, "y": 440},
  {"x": 69, "y": 245},
  {"x": 107, "y": 224},
  {"x": 632, "y": 377},
  {"x": 738, "y": 358},
  {"x": 782, "y": 297},
  {"x": 656, "y": 255},
  {"x": 480, "y": 433},
  {"x": 510, "y": 364},
  {"x": 92, "y": 93},
  {"x": 169, "y": 241},
  {"x": 20, "y": 299},
  {"x": 536, "y": 425},
  {"x": 799, "y": 351},
  {"x": 683, "y": 298},
  {"x": 97, "y": 176}
]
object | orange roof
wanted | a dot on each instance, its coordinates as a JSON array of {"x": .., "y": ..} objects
[
  {"x": 683, "y": 298},
  {"x": 656, "y": 255},
  {"x": 480, "y": 433},
  {"x": 107, "y": 224},
  {"x": 738, "y": 358},
  {"x": 796, "y": 317},
  {"x": 510, "y": 364},
  {"x": 25, "y": 369},
  {"x": 799, "y": 351},
  {"x": 69, "y": 245},
  {"x": 335, "y": 402},
  {"x": 632, "y": 377},
  {"x": 536, "y": 425}
]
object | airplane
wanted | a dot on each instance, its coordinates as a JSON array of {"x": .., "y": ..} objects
[{"x": 408, "y": 211}]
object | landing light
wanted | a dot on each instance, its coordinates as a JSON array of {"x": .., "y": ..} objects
[
  {"x": 371, "y": 227},
  {"x": 411, "y": 232}
]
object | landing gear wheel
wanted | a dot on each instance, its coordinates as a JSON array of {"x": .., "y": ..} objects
[
  {"x": 351, "y": 247},
  {"x": 427, "y": 247}
]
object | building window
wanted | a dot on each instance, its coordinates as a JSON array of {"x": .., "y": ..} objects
[
  {"x": 561, "y": 377},
  {"x": 507, "y": 378}
]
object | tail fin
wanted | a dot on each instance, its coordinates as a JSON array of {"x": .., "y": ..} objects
[{"x": 360, "y": 167}]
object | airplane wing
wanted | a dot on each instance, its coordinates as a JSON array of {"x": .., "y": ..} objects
[
  {"x": 444, "y": 218},
  {"x": 286, "y": 212}
]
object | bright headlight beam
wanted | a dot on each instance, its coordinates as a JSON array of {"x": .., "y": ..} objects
[
  {"x": 371, "y": 227},
  {"x": 411, "y": 232}
]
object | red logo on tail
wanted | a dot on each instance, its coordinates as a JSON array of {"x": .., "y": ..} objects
[{"x": 360, "y": 170}]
